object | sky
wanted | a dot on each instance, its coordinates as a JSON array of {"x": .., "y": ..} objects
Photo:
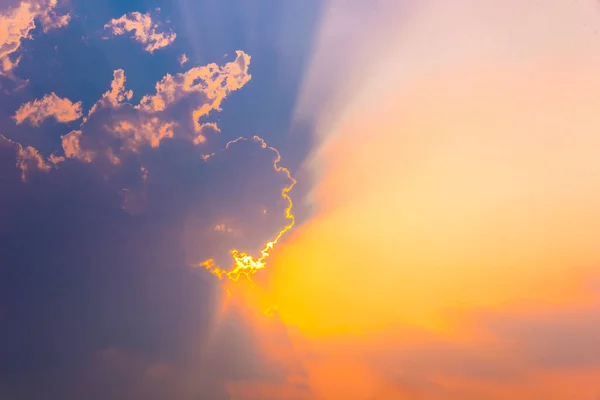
[{"x": 308, "y": 200}]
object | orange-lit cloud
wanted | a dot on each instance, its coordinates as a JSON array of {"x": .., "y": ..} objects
[
  {"x": 212, "y": 81},
  {"x": 200, "y": 90},
  {"x": 17, "y": 22},
  {"x": 150, "y": 131},
  {"x": 28, "y": 158},
  {"x": 145, "y": 30},
  {"x": 223, "y": 228},
  {"x": 203, "y": 128},
  {"x": 183, "y": 58},
  {"x": 194, "y": 94},
  {"x": 116, "y": 95},
  {"x": 72, "y": 148},
  {"x": 50, "y": 106}
]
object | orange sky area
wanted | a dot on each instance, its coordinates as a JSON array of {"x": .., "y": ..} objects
[{"x": 454, "y": 253}]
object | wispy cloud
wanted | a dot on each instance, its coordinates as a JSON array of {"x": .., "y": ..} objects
[
  {"x": 183, "y": 59},
  {"x": 145, "y": 31}
]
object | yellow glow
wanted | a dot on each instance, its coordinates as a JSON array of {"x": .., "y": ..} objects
[
  {"x": 458, "y": 192},
  {"x": 457, "y": 184}
]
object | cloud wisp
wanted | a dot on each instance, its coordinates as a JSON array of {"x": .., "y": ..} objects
[{"x": 144, "y": 30}]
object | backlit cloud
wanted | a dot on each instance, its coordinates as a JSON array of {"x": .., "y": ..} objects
[
  {"x": 50, "y": 106},
  {"x": 187, "y": 347},
  {"x": 145, "y": 31}
]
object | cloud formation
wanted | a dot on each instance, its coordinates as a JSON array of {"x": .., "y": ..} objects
[
  {"x": 212, "y": 82},
  {"x": 145, "y": 31},
  {"x": 133, "y": 176},
  {"x": 116, "y": 266},
  {"x": 28, "y": 158},
  {"x": 114, "y": 126},
  {"x": 17, "y": 22},
  {"x": 50, "y": 106},
  {"x": 116, "y": 95}
]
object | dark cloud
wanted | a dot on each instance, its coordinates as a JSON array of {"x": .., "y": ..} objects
[
  {"x": 98, "y": 294},
  {"x": 102, "y": 219},
  {"x": 92, "y": 294}
]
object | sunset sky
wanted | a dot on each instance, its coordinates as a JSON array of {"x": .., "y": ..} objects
[{"x": 303, "y": 200}]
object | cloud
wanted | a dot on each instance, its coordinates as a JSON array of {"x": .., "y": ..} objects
[
  {"x": 50, "y": 106},
  {"x": 114, "y": 258},
  {"x": 548, "y": 336},
  {"x": 214, "y": 83},
  {"x": 116, "y": 95},
  {"x": 72, "y": 148},
  {"x": 223, "y": 228},
  {"x": 517, "y": 350},
  {"x": 148, "y": 132},
  {"x": 183, "y": 58},
  {"x": 51, "y": 20},
  {"x": 114, "y": 126},
  {"x": 116, "y": 266},
  {"x": 146, "y": 31},
  {"x": 16, "y": 23},
  {"x": 28, "y": 158}
]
